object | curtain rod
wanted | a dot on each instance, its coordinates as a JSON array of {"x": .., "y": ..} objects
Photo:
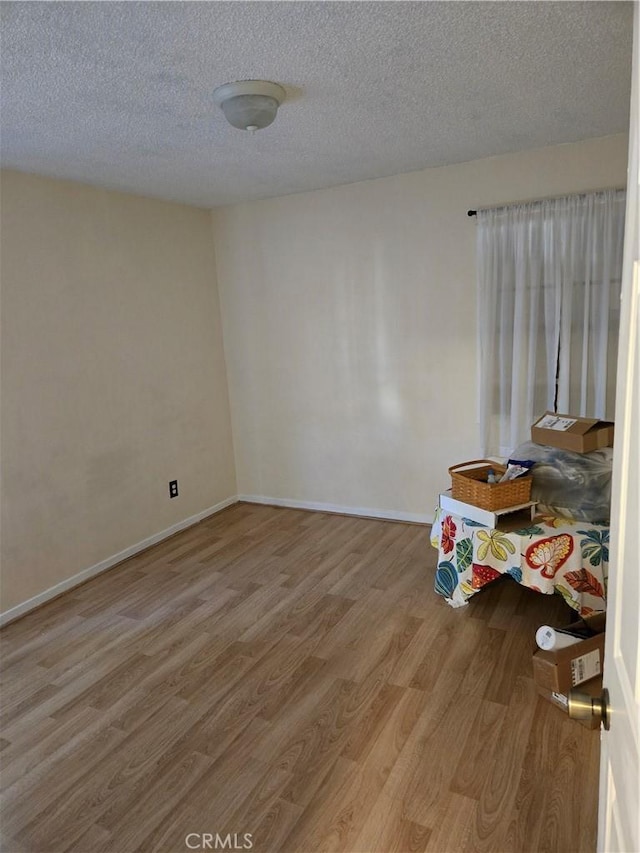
[{"x": 551, "y": 198}]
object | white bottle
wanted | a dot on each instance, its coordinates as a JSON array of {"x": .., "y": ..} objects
[{"x": 549, "y": 639}]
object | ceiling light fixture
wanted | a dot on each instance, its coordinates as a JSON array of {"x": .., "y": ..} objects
[{"x": 249, "y": 104}]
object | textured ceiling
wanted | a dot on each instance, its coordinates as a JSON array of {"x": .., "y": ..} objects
[{"x": 119, "y": 94}]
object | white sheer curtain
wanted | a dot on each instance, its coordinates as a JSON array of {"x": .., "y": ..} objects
[{"x": 548, "y": 312}]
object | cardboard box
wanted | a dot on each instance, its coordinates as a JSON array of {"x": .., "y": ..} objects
[
  {"x": 520, "y": 515},
  {"x": 561, "y": 700},
  {"x": 568, "y": 432},
  {"x": 561, "y": 669},
  {"x": 578, "y": 666}
]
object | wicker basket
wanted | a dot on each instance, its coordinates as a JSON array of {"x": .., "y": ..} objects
[{"x": 470, "y": 486}]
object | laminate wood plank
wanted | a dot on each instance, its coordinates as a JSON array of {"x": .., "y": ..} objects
[
  {"x": 356, "y": 624},
  {"x": 363, "y": 739},
  {"x": 109, "y": 599},
  {"x": 311, "y": 570},
  {"x": 28, "y": 799},
  {"x": 213, "y": 676},
  {"x": 119, "y": 680},
  {"x": 588, "y": 766},
  {"x": 219, "y": 728},
  {"x": 320, "y": 571},
  {"x": 328, "y": 564},
  {"x": 426, "y": 764},
  {"x": 170, "y": 586},
  {"x": 555, "y": 831},
  {"x": 335, "y": 817},
  {"x": 35, "y": 710},
  {"x": 306, "y": 741},
  {"x": 295, "y": 546},
  {"x": 210, "y": 803},
  {"x": 378, "y": 650},
  {"x": 513, "y": 661},
  {"x": 291, "y": 675},
  {"x": 156, "y": 798},
  {"x": 60, "y": 768},
  {"x": 247, "y": 612},
  {"x": 163, "y": 680},
  {"x": 326, "y": 824},
  {"x": 447, "y": 714},
  {"x": 20, "y": 757},
  {"x": 358, "y": 702},
  {"x": 326, "y": 612},
  {"x": 310, "y": 532},
  {"x": 411, "y": 838},
  {"x": 452, "y": 827},
  {"x": 274, "y": 826},
  {"x": 161, "y": 551},
  {"x": 387, "y": 831},
  {"x": 411, "y": 591},
  {"x": 20, "y": 692},
  {"x": 202, "y": 547},
  {"x": 243, "y": 552},
  {"x": 189, "y": 618},
  {"x": 18, "y": 646},
  {"x": 539, "y": 762},
  {"x": 94, "y": 839},
  {"x": 262, "y": 569},
  {"x": 260, "y": 802},
  {"x": 502, "y": 777},
  {"x": 90, "y": 637},
  {"x": 482, "y": 662},
  {"x": 292, "y": 608},
  {"x": 276, "y": 686},
  {"x": 137, "y": 756},
  {"x": 399, "y": 577},
  {"x": 305, "y": 679},
  {"x": 481, "y": 745},
  {"x": 451, "y": 648},
  {"x": 24, "y": 630},
  {"x": 331, "y": 562},
  {"x": 85, "y": 671},
  {"x": 416, "y": 653},
  {"x": 365, "y": 571}
]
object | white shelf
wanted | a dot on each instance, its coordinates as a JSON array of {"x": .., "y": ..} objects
[{"x": 489, "y": 518}]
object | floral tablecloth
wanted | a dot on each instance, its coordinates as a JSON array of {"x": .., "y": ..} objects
[{"x": 550, "y": 555}]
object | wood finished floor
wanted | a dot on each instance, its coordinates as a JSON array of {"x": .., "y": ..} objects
[{"x": 290, "y": 675}]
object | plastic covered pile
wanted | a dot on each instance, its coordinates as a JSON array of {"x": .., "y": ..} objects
[{"x": 568, "y": 484}]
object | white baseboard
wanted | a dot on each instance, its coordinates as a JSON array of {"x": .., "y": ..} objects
[
  {"x": 366, "y": 512},
  {"x": 85, "y": 574}
]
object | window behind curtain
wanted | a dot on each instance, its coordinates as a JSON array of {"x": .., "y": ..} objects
[{"x": 548, "y": 312}]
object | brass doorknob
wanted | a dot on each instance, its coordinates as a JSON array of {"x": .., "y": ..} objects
[{"x": 584, "y": 707}]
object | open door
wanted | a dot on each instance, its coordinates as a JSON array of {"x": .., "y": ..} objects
[{"x": 619, "y": 813}]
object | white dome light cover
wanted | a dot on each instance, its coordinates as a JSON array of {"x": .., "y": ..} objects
[{"x": 249, "y": 104}]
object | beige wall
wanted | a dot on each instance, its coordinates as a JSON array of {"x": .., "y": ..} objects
[
  {"x": 350, "y": 326},
  {"x": 113, "y": 377},
  {"x": 350, "y": 333}
]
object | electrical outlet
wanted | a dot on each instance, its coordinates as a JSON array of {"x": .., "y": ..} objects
[{"x": 173, "y": 488}]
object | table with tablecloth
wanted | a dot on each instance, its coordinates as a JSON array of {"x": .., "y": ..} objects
[{"x": 549, "y": 555}]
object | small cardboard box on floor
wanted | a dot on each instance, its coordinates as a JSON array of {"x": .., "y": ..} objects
[
  {"x": 569, "y": 432},
  {"x": 556, "y": 672}
]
